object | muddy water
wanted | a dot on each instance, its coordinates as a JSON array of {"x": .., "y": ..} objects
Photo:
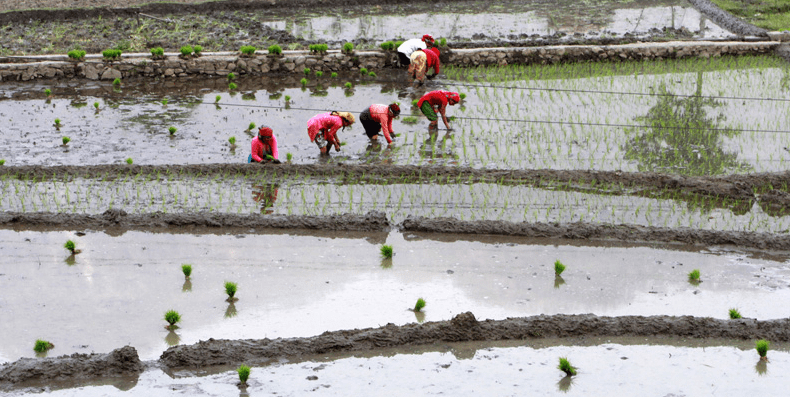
[
  {"x": 505, "y": 122},
  {"x": 500, "y": 369},
  {"x": 117, "y": 290}
]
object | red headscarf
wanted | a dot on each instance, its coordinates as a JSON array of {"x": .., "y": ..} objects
[
  {"x": 427, "y": 38},
  {"x": 452, "y": 97},
  {"x": 395, "y": 109},
  {"x": 265, "y": 131}
]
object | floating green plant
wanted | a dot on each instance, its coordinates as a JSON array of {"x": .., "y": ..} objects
[
  {"x": 230, "y": 289},
  {"x": 186, "y": 269},
  {"x": 65, "y": 140},
  {"x": 247, "y": 50},
  {"x": 565, "y": 366},
  {"x": 172, "y": 317},
  {"x": 735, "y": 314},
  {"x": 42, "y": 346},
  {"x": 462, "y": 95},
  {"x": 129, "y": 160},
  {"x": 694, "y": 276},
  {"x": 419, "y": 305},
  {"x": 386, "y": 251},
  {"x": 244, "y": 374},
  {"x": 558, "y": 267},
  {"x": 71, "y": 247},
  {"x": 172, "y": 130},
  {"x": 762, "y": 349},
  {"x": 275, "y": 49}
]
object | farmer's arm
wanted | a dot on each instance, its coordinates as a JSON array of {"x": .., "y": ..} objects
[{"x": 442, "y": 109}]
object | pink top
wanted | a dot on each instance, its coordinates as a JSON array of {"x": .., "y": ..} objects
[
  {"x": 324, "y": 122},
  {"x": 381, "y": 113},
  {"x": 258, "y": 148}
]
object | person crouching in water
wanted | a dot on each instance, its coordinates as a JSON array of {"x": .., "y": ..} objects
[
  {"x": 378, "y": 118},
  {"x": 407, "y": 48},
  {"x": 264, "y": 147},
  {"x": 422, "y": 60},
  {"x": 322, "y": 129},
  {"x": 436, "y": 102}
]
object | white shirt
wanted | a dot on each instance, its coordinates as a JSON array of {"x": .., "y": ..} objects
[{"x": 410, "y": 46}]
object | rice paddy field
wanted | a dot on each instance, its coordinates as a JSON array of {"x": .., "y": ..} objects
[{"x": 682, "y": 147}]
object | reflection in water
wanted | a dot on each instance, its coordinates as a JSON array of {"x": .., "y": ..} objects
[
  {"x": 231, "y": 311},
  {"x": 558, "y": 281},
  {"x": 376, "y": 153},
  {"x": 71, "y": 260},
  {"x": 42, "y": 354},
  {"x": 761, "y": 368},
  {"x": 265, "y": 195},
  {"x": 464, "y": 353},
  {"x": 431, "y": 150},
  {"x": 682, "y": 139},
  {"x": 172, "y": 338},
  {"x": 420, "y": 316},
  {"x": 386, "y": 263},
  {"x": 565, "y": 384},
  {"x": 187, "y": 286}
]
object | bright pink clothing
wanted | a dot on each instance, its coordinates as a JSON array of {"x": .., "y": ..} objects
[
  {"x": 435, "y": 98},
  {"x": 259, "y": 149},
  {"x": 433, "y": 59},
  {"x": 325, "y": 122},
  {"x": 381, "y": 113}
]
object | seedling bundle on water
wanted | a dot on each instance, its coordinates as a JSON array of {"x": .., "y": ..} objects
[
  {"x": 735, "y": 314},
  {"x": 244, "y": 374},
  {"x": 762, "y": 349},
  {"x": 172, "y": 317},
  {"x": 42, "y": 346},
  {"x": 187, "y": 269},
  {"x": 69, "y": 245},
  {"x": 558, "y": 267},
  {"x": 694, "y": 277},
  {"x": 565, "y": 366},
  {"x": 386, "y": 251},
  {"x": 419, "y": 305},
  {"x": 230, "y": 289}
]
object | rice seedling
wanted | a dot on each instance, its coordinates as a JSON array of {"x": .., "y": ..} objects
[
  {"x": 372, "y": 74},
  {"x": 306, "y": 71},
  {"x": 217, "y": 98},
  {"x": 96, "y": 105},
  {"x": 386, "y": 251},
  {"x": 186, "y": 269},
  {"x": 2, "y": 161},
  {"x": 230, "y": 289},
  {"x": 303, "y": 81},
  {"x": 232, "y": 86},
  {"x": 164, "y": 102},
  {"x": 186, "y": 51},
  {"x": 762, "y": 349},
  {"x": 47, "y": 92},
  {"x": 275, "y": 49},
  {"x": 71, "y": 247},
  {"x": 65, "y": 140},
  {"x": 157, "y": 53},
  {"x": 248, "y": 50},
  {"x": 172, "y": 130},
  {"x": 409, "y": 120},
  {"x": 111, "y": 54},
  {"x": 289, "y": 157},
  {"x": 419, "y": 305},
  {"x": 348, "y": 48},
  {"x": 172, "y": 317},
  {"x": 232, "y": 140},
  {"x": 387, "y": 46},
  {"x": 250, "y": 127},
  {"x": 129, "y": 160},
  {"x": 42, "y": 346},
  {"x": 287, "y": 98},
  {"x": 319, "y": 73},
  {"x": 735, "y": 314},
  {"x": 231, "y": 76},
  {"x": 363, "y": 70},
  {"x": 198, "y": 50},
  {"x": 244, "y": 374},
  {"x": 558, "y": 267},
  {"x": 348, "y": 85},
  {"x": 334, "y": 75},
  {"x": 694, "y": 276},
  {"x": 565, "y": 366},
  {"x": 77, "y": 55}
]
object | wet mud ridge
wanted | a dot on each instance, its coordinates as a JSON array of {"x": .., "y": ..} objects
[{"x": 462, "y": 328}]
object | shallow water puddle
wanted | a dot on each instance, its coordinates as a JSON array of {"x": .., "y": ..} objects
[
  {"x": 460, "y": 369},
  {"x": 117, "y": 290}
]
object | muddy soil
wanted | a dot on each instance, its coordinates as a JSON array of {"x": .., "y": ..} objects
[
  {"x": 119, "y": 362},
  {"x": 463, "y": 327}
]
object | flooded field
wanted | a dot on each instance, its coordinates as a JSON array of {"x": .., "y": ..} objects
[
  {"x": 116, "y": 291},
  {"x": 691, "y": 117}
]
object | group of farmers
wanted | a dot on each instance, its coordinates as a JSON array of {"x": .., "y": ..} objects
[{"x": 420, "y": 55}]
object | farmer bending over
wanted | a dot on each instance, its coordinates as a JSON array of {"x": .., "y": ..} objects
[
  {"x": 379, "y": 118},
  {"x": 264, "y": 147},
  {"x": 422, "y": 60},
  {"x": 436, "y": 102},
  {"x": 322, "y": 129},
  {"x": 407, "y": 48}
]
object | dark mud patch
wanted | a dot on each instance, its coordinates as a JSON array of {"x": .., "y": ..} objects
[
  {"x": 465, "y": 327},
  {"x": 122, "y": 362},
  {"x": 119, "y": 219},
  {"x": 588, "y": 231}
]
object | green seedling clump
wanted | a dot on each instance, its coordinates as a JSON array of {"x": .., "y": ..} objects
[
  {"x": 565, "y": 366},
  {"x": 111, "y": 54},
  {"x": 70, "y": 246},
  {"x": 372, "y": 74},
  {"x": 318, "y": 73},
  {"x": 96, "y": 105},
  {"x": 244, "y": 374},
  {"x": 42, "y": 346},
  {"x": 694, "y": 275},
  {"x": 186, "y": 269},
  {"x": 409, "y": 120},
  {"x": 306, "y": 70},
  {"x": 57, "y": 122},
  {"x": 762, "y": 349},
  {"x": 287, "y": 98},
  {"x": 303, "y": 81},
  {"x": 164, "y": 102},
  {"x": 172, "y": 130},
  {"x": 462, "y": 95},
  {"x": 348, "y": 84},
  {"x": 414, "y": 102},
  {"x": 217, "y": 98},
  {"x": 289, "y": 157},
  {"x": 735, "y": 314},
  {"x": 2, "y": 161},
  {"x": 419, "y": 305},
  {"x": 333, "y": 75},
  {"x": 348, "y": 48},
  {"x": 558, "y": 267},
  {"x": 386, "y": 251},
  {"x": 363, "y": 70},
  {"x": 66, "y": 140},
  {"x": 197, "y": 49},
  {"x": 230, "y": 289},
  {"x": 232, "y": 86},
  {"x": 231, "y": 76},
  {"x": 76, "y": 55},
  {"x": 247, "y": 50},
  {"x": 129, "y": 160},
  {"x": 186, "y": 51},
  {"x": 48, "y": 92},
  {"x": 442, "y": 42},
  {"x": 117, "y": 81},
  {"x": 387, "y": 46},
  {"x": 172, "y": 317},
  {"x": 232, "y": 140},
  {"x": 157, "y": 52},
  {"x": 275, "y": 49},
  {"x": 250, "y": 127}
]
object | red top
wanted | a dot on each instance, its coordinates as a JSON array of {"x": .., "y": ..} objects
[
  {"x": 435, "y": 98},
  {"x": 324, "y": 122},
  {"x": 260, "y": 149},
  {"x": 381, "y": 113},
  {"x": 432, "y": 59}
]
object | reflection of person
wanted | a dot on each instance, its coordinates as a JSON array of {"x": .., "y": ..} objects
[
  {"x": 436, "y": 102},
  {"x": 407, "y": 48},
  {"x": 379, "y": 118},
  {"x": 266, "y": 195},
  {"x": 322, "y": 129},
  {"x": 264, "y": 147},
  {"x": 422, "y": 60}
]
